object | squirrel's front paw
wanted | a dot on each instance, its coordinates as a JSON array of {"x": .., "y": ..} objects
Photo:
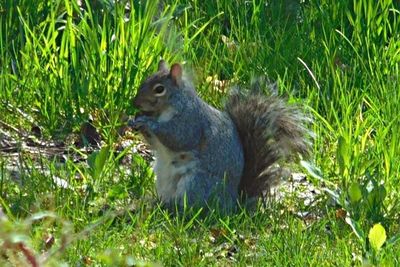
[{"x": 138, "y": 124}]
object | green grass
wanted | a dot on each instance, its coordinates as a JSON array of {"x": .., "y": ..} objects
[{"x": 63, "y": 63}]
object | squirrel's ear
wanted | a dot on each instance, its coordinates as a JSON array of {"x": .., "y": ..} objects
[
  {"x": 176, "y": 73},
  {"x": 162, "y": 66}
]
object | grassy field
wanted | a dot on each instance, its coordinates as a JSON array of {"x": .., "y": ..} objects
[{"x": 68, "y": 70}]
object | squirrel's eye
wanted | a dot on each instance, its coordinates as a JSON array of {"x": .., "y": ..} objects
[{"x": 159, "y": 89}]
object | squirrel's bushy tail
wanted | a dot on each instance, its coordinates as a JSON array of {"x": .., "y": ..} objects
[{"x": 270, "y": 131}]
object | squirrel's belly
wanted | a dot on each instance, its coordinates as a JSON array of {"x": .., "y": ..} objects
[{"x": 170, "y": 168}]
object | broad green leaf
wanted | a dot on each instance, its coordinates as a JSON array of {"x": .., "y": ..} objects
[
  {"x": 96, "y": 161},
  {"x": 91, "y": 160},
  {"x": 355, "y": 192},
  {"x": 312, "y": 170},
  {"x": 342, "y": 154},
  {"x": 377, "y": 195},
  {"x": 377, "y": 236},
  {"x": 101, "y": 158},
  {"x": 335, "y": 195},
  {"x": 355, "y": 227}
]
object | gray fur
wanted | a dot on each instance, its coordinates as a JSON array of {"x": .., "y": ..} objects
[
  {"x": 203, "y": 154},
  {"x": 206, "y": 136},
  {"x": 270, "y": 131}
]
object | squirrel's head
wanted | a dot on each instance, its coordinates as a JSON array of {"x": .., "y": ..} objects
[{"x": 154, "y": 93}]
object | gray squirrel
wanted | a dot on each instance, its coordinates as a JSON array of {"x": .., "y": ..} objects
[{"x": 204, "y": 155}]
